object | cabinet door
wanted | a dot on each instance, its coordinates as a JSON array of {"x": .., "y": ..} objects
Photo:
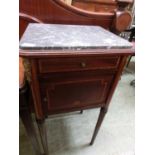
[{"x": 75, "y": 93}]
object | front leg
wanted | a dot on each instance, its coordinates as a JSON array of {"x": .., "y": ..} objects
[
  {"x": 43, "y": 135},
  {"x": 25, "y": 115},
  {"x": 98, "y": 125}
]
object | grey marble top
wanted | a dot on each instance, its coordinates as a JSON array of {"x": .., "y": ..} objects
[{"x": 56, "y": 36}]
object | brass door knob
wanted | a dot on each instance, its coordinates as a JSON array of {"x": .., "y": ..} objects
[
  {"x": 83, "y": 64},
  {"x": 45, "y": 99}
]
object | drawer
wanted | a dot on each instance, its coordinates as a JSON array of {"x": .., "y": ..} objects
[
  {"x": 77, "y": 64},
  {"x": 77, "y": 93}
]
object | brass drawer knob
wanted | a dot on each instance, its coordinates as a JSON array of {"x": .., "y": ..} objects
[{"x": 83, "y": 64}]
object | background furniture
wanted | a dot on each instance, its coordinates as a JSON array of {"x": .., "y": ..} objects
[
  {"x": 129, "y": 34},
  {"x": 58, "y": 12},
  {"x": 131, "y": 39},
  {"x": 71, "y": 74},
  {"x": 101, "y": 6}
]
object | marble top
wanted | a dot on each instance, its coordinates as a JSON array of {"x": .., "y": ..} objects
[{"x": 57, "y": 36}]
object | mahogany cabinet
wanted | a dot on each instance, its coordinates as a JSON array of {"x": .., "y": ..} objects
[{"x": 71, "y": 68}]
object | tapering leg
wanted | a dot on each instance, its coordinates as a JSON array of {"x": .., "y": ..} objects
[
  {"x": 25, "y": 115},
  {"x": 43, "y": 135},
  {"x": 81, "y": 112},
  {"x": 98, "y": 125},
  {"x": 129, "y": 59},
  {"x": 30, "y": 130}
]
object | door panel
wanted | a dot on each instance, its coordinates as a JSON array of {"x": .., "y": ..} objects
[{"x": 75, "y": 93}]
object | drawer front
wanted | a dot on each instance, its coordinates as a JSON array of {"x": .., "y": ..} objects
[
  {"x": 75, "y": 93},
  {"x": 77, "y": 64}
]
